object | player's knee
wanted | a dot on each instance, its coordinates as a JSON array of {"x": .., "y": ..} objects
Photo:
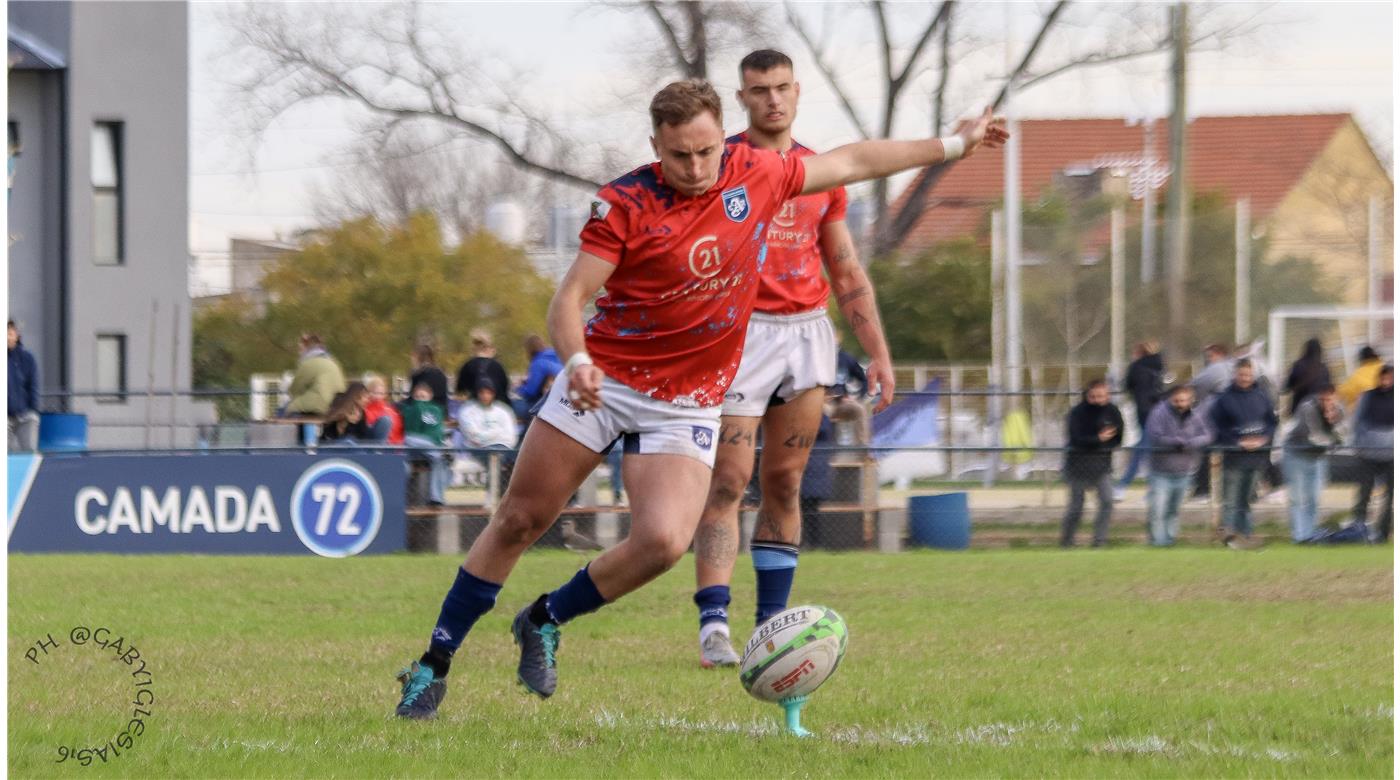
[
  {"x": 783, "y": 488},
  {"x": 727, "y": 486},
  {"x": 659, "y": 552},
  {"x": 518, "y": 526}
]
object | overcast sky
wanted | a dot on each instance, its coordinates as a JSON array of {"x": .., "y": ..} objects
[{"x": 1308, "y": 57}]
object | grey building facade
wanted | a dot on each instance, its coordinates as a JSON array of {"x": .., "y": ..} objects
[{"x": 99, "y": 210}]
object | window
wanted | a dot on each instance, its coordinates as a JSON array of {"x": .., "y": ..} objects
[
  {"x": 107, "y": 201},
  {"x": 111, "y": 367}
]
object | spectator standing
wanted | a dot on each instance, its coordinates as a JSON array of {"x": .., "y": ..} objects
[
  {"x": 1244, "y": 421},
  {"x": 317, "y": 380},
  {"x": 382, "y": 417},
  {"x": 1179, "y": 435},
  {"x": 1095, "y": 429},
  {"x": 1144, "y": 384},
  {"x": 1307, "y": 376},
  {"x": 1374, "y": 439},
  {"x": 544, "y": 364},
  {"x": 1364, "y": 378},
  {"x": 23, "y": 403},
  {"x": 1316, "y": 428},
  {"x": 1213, "y": 380},
  {"x": 423, "y": 428},
  {"x": 425, "y": 370},
  {"x": 482, "y": 366}
]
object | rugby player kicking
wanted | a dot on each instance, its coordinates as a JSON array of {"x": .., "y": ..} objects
[
  {"x": 789, "y": 361},
  {"x": 676, "y": 247}
]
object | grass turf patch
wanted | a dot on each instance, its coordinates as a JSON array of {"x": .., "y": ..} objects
[{"x": 1124, "y": 662}]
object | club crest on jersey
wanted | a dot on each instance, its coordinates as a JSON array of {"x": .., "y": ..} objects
[
  {"x": 736, "y": 203},
  {"x": 599, "y": 210},
  {"x": 703, "y": 437}
]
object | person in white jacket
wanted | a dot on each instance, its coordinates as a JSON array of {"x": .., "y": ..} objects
[{"x": 484, "y": 422}]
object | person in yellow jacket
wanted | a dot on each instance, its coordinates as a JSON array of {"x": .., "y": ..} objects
[{"x": 1364, "y": 378}]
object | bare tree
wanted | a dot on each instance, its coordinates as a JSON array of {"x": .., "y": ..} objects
[
  {"x": 399, "y": 70},
  {"x": 1107, "y": 35},
  {"x": 894, "y": 77},
  {"x": 694, "y": 34}
]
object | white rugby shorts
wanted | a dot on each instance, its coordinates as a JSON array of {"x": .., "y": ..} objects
[
  {"x": 784, "y": 355},
  {"x": 642, "y": 425}
]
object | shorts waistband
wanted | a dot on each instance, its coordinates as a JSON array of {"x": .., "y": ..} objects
[{"x": 789, "y": 319}]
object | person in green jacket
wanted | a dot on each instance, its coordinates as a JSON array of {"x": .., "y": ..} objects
[
  {"x": 423, "y": 428},
  {"x": 317, "y": 380}
]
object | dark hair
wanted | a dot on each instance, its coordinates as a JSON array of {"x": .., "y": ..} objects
[
  {"x": 1387, "y": 369},
  {"x": 354, "y": 389},
  {"x": 764, "y": 60},
  {"x": 1093, "y": 383},
  {"x": 340, "y": 408},
  {"x": 1327, "y": 388},
  {"x": 485, "y": 384},
  {"x": 534, "y": 344},
  {"x": 1367, "y": 353},
  {"x": 1180, "y": 388},
  {"x": 11, "y": 324},
  {"x": 421, "y": 384},
  {"x": 1218, "y": 349},
  {"x": 681, "y": 101},
  {"x": 312, "y": 339},
  {"x": 424, "y": 354},
  {"x": 1312, "y": 351},
  {"x": 1244, "y": 363}
]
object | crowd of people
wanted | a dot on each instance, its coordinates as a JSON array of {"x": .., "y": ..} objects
[
  {"x": 428, "y": 421},
  {"x": 1230, "y": 408}
]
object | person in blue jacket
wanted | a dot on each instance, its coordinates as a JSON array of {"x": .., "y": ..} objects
[
  {"x": 1244, "y": 420},
  {"x": 544, "y": 365},
  {"x": 24, "y": 394}
]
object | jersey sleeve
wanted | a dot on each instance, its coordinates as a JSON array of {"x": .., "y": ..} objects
[
  {"x": 835, "y": 206},
  {"x": 794, "y": 175},
  {"x": 605, "y": 233}
]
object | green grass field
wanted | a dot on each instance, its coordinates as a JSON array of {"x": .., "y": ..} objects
[{"x": 1126, "y": 662}]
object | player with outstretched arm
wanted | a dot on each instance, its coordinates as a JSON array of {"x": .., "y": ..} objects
[
  {"x": 676, "y": 246},
  {"x": 789, "y": 361}
]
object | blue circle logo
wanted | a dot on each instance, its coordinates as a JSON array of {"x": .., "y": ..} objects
[{"x": 336, "y": 508}]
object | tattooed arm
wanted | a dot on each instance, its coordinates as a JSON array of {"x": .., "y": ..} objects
[{"x": 855, "y": 296}]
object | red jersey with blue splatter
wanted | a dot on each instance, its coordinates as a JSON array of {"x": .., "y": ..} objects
[
  {"x": 672, "y": 318},
  {"x": 792, "y": 281}
]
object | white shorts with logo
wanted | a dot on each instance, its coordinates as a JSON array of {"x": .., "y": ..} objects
[
  {"x": 784, "y": 355},
  {"x": 644, "y": 426}
]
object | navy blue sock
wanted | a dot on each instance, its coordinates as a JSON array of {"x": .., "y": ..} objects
[
  {"x": 712, "y": 602},
  {"x": 774, "y": 563},
  {"x": 578, "y": 596},
  {"x": 470, "y": 598}
]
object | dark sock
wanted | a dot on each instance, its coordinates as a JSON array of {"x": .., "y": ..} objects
[
  {"x": 539, "y": 613},
  {"x": 774, "y": 564},
  {"x": 469, "y": 599},
  {"x": 713, "y": 602},
  {"x": 578, "y": 596}
]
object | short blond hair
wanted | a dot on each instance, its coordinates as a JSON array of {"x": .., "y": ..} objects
[{"x": 681, "y": 101}]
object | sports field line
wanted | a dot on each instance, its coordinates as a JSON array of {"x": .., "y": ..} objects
[{"x": 1001, "y": 735}]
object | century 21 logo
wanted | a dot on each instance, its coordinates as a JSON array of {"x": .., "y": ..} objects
[{"x": 704, "y": 257}]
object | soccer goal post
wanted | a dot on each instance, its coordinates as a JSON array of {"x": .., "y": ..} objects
[{"x": 1343, "y": 332}]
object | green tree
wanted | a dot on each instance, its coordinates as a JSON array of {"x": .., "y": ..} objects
[
  {"x": 936, "y": 306},
  {"x": 374, "y": 291}
]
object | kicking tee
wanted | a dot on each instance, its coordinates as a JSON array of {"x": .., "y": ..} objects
[
  {"x": 672, "y": 318},
  {"x": 792, "y": 281}
]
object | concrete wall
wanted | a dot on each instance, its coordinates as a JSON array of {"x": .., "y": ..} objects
[{"x": 35, "y": 251}]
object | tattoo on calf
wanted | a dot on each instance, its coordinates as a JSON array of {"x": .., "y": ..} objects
[
  {"x": 767, "y": 527},
  {"x": 716, "y": 544}
]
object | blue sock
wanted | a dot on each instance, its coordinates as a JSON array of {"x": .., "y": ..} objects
[
  {"x": 578, "y": 596},
  {"x": 712, "y": 602},
  {"x": 774, "y": 563},
  {"x": 470, "y": 598}
]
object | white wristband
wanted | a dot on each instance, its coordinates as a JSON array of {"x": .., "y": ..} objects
[
  {"x": 953, "y": 147},
  {"x": 579, "y": 358}
]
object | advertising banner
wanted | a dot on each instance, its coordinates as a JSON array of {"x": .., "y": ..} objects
[{"x": 209, "y": 503}]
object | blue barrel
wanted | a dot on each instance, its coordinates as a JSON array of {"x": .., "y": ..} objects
[
  {"x": 63, "y": 432},
  {"x": 941, "y": 521}
]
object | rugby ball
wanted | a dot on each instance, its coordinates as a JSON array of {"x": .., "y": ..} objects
[{"x": 793, "y": 653}]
